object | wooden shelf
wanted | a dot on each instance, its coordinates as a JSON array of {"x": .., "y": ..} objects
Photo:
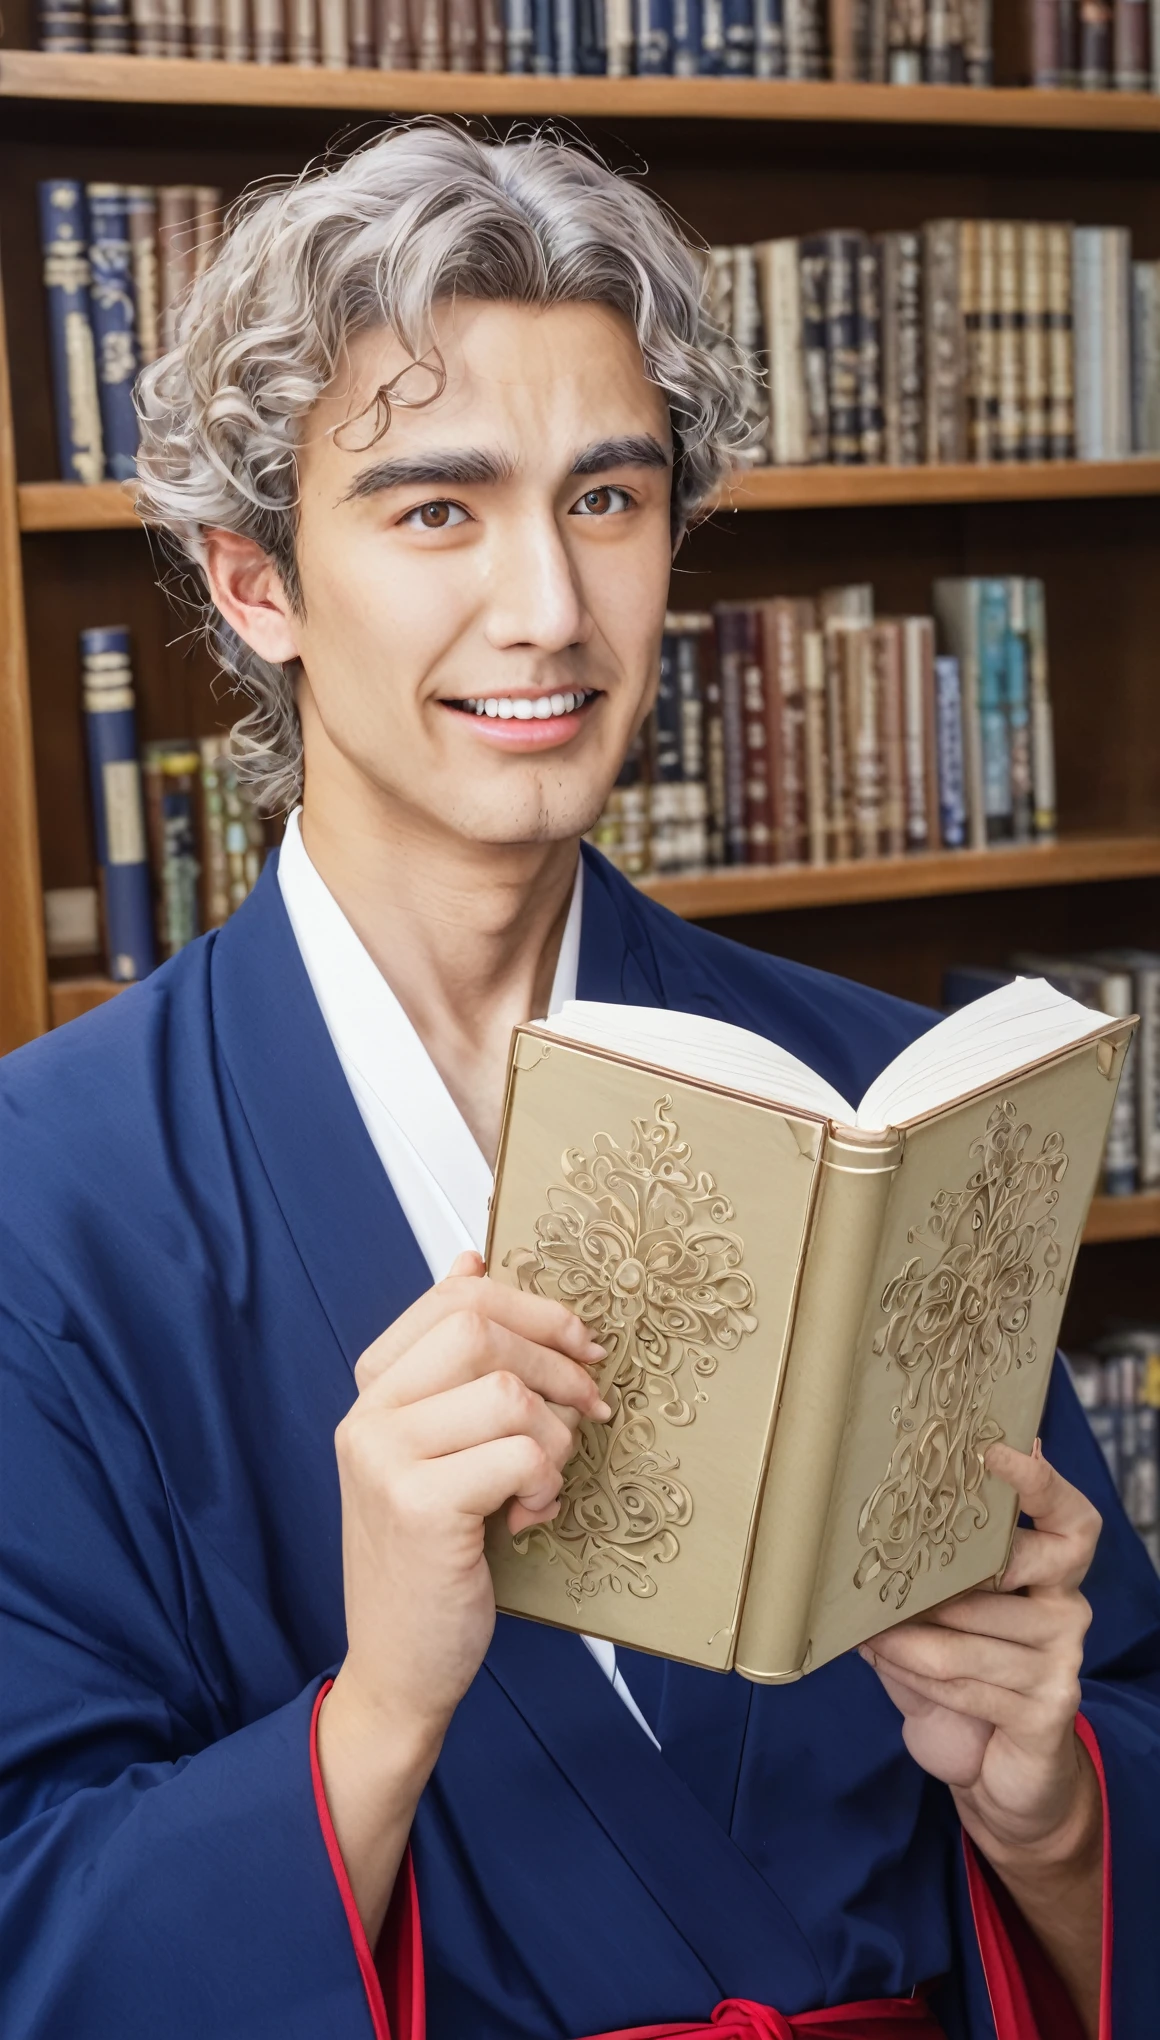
[
  {"x": 772, "y": 888},
  {"x": 68, "y": 998},
  {"x": 36, "y": 74},
  {"x": 107, "y": 506},
  {"x": 1124, "y": 1218}
]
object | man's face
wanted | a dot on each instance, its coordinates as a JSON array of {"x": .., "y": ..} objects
[{"x": 485, "y": 586}]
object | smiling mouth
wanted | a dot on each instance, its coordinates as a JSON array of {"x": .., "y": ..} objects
[{"x": 525, "y": 707}]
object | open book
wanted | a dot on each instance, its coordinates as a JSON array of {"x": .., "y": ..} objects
[{"x": 817, "y": 1316}]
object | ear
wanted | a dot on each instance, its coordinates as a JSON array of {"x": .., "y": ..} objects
[{"x": 247, "y": 588}]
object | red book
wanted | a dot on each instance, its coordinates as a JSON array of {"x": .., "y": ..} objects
[{"x": 785, "y": 622}]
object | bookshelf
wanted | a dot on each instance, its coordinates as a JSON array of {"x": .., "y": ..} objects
[{"x": 740, "y": 159}]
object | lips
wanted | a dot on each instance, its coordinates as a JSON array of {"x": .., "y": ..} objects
[{"x": 526, "y": 707}]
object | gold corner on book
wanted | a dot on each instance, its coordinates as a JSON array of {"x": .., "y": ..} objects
[{"x": 672, "y": 1218}]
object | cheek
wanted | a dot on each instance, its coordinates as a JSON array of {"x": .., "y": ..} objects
[{"x": 376, "y": 624}]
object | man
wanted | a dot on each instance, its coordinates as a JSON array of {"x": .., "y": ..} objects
[{"x": 272, "y": 1767}]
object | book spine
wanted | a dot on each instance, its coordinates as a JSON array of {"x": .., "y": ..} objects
[
  {"x": 712, "y": 50},
  {"x": 64, "y": 245},
  {"x": 1034, "y": 339},
  {"x": 429, "y": 32},
  {"x": 714, "y": 732},
  {"x": 362, "y": 35},
  {"x": 1095, "y": 45},
  {"x": 843, "y": 347},
  {"x": 839, "y": 820},
  {"x": 519, "y": 37},
  {"x": 114, "y": 320},
  {"x": 906, "y": 41},
  {"x": 1044, "y": 47},
  {"x": 979, "y": 286},
  {"x": 150, "y": 34},
  {"x": 844, "y": 1234},
  {"x": 1060, "y": 344},
  {"x": 620, "y": 38},
  {"x": 1010, "y": 432},
  {"x": 919, "y": 748},
  {"x": 952, "y": 789},
  {"x": 781, "y": 315},
  {"x": 1154, "y": 27},
  {"x": 759, "y": 835},
  {"x": 945, "y": 63},
  {"x": 543, "y": 39},
  {"x": 463, "y": 52},
  {"x": 847, "y": 40},
  {"x": 215, "y": 862},
  {"x": 956, "y": 605},
  {"x": 1069, "y": 43},
  {"x": 769, "y": 39},
  {"x": 622, "y": 831},
  {"x": 902, "y": 393},
  {"x": 60, "y": 26},
  {"x": 879, "y": 37},
  {"x": 978, "y": 43},
  {"x": 785, "y": 624},
  {"x": 805, "y": 39},
  {"x": 692, "y": 640},
  {"x": 302, "y": 33},
  {"x": 591, "y": 53},
  {"x": 993, "y": 719},
  {"x": 1132, "y": 71},
  {"x": 564, "y": 35},
  {"x": 236, "y": 44},
  {"x": 110, "y": 31},
  {"x": 666, "y": 765},
  {"x": 1117, "y": 276},
  {"x": 738, "y": 33},
  {"x": 1146, "y": 357},
  {"x": 749, "y": 338},
  {"x": 176, "y": 254},
  {"x": 333, "y": 34},
  {"x": 1146, "y": 997},
  {"x": 733, "y": 650},
  {"x": 170, "y": 779},
  {"x": 205, "y": 30},
  {"x": 817, "y": 763},
  {"x": 946, "y": 421},
  {"x": 812, "y": 266},
  {"x": 118, "y": 812},
  {"x": 1042, "y": 732},
  {"x": 886, "y": 656},
  {"x": 1121, "y": 1153},
  {"x": 863, "y": 738},
  {"x": 269, "y": 31},
  {"x": 870, "y": 426},
  {"x": 1019, "y": 712}
]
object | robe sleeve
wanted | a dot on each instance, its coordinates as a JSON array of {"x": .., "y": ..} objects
[{"x": 162, "y": 1865}]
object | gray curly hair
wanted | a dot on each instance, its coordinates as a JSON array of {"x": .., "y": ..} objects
[{"x": 423, "y": 214}]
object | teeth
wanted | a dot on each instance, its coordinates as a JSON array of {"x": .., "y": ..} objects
[{"x": 523, "y": 709}]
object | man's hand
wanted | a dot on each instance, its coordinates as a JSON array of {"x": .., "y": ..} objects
[
  {"x": 468, "y": 1402},
  {"x": 988, "y": 1687}
]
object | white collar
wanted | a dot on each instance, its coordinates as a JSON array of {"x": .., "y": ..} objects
[{"x": 440, "y": 1177}]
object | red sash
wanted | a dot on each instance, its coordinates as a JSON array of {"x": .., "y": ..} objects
[{"x": 740, "y": 2019}]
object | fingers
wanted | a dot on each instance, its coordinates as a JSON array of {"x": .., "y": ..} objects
[
  {"x": 466, "y": 1289},
  {"x": 996, "y": 1705},
  {"x": 475, "y": 1483},
  {"x": 1066, "y": 1524},
  {"x": 949, "y": 1660},
  {"x": 497, "y": 1406},
  {"x": 1017, "y": 1618},
  {"x": 465, "y": 1346}
]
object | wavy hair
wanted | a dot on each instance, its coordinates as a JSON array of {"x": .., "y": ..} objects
[{"x": 424, "y": 214}]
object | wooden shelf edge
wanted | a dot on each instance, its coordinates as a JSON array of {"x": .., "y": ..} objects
[
  {"x": 39, "y": 74},
  {"x": 1123, "y": 1218},
  {"x": 773, "y": 888},
  {"x": 108, "y": 506},
  {"x": 68, "y": 998}
]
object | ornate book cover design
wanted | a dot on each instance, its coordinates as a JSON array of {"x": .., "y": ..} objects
[{"x": 813, "y": 1336}]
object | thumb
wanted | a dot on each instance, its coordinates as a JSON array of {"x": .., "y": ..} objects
[{"x": 466, "y": 1263}]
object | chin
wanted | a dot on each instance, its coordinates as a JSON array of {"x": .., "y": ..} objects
[{"x": 557, "y": 816}]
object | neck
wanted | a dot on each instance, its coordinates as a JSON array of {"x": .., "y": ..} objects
[{"x": 466, "y": 934}]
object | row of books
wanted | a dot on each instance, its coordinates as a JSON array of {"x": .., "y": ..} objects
[
  {"x": 1095, "y": 45},
  {"x": 902, "y": 42},
  {"x": 118, "y": 261},
  {"x": 1117, "y": 1381},
  {"x": 178, "y": 844},
  {"x": 965, "y": 340},
  {"x": 795, "y": 731},
  {"x": 1118, "y": 982}
]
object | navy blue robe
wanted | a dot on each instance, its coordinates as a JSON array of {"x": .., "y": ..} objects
[{"x": 197, "y": 1241}]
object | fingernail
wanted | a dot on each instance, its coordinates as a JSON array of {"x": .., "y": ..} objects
[
  {"x": 602, "y": 1410},
  {"x": 596, "y": 1352}
]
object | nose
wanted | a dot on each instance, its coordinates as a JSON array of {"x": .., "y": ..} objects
[{"x": 535, "y": 597}]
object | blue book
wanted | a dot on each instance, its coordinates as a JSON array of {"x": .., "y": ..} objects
[
  {"x": 591, "y": 39},
  {"x": 113, "y": 307},
  {"x": 543, "y": 38},
  {"x": 948, "y": 722},
  {"x": 64, "y": 241},
  {"x": 994, "y": 731},
  {"x": 738, "y": 36},
  {"x": 519, "y": 36},
  {"x": 118, "y": 808},
  {"x": 712, "y": 56},
  {"x": 654, "y": 38},
  {"x": 686, "y": 38},
  {"x": 564, "y": 37},
  {"x": 769, "y": 57}
]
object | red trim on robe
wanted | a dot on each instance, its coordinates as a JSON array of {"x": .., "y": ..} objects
[
  {"x": 400, "y": 1978},
  {"x": 742, "y": 2019},
  {"x": 1028, "y": 1998}
]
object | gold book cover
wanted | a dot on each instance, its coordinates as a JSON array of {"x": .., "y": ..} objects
[{"x": 814, "y": 1331}]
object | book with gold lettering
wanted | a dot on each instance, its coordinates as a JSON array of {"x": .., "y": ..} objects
[{"x": 817, "y": 1317}]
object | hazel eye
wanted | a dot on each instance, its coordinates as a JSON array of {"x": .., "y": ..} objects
[
  {"x": 605, "y": 502},
  {"x": 436, "y": 516}
]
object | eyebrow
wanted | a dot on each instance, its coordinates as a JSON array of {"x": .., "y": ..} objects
[{"x": 449, "y": 467}]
